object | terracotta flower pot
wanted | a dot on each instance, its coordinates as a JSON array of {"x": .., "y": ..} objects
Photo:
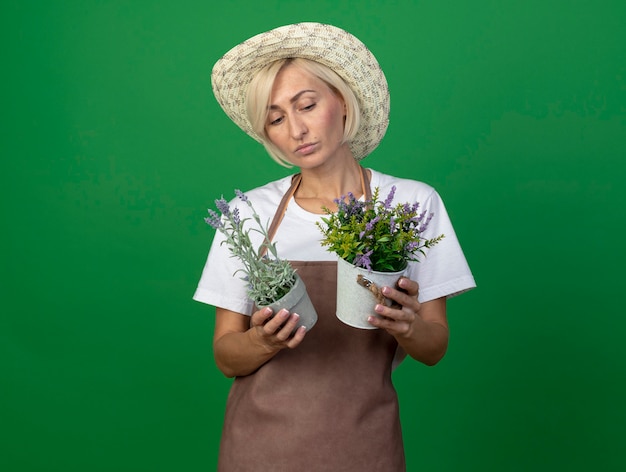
[
  {"x": 357, "y": 293},
  {"x": 297, "y": 301}
]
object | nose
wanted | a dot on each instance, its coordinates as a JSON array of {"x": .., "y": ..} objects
[{"x": 297, "y": 127}]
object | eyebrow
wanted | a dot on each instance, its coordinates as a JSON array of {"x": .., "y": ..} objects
[{"x": 293, "y": 99}]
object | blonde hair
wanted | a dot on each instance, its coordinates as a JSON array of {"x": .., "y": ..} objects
[{"x": 260, "y": 90}]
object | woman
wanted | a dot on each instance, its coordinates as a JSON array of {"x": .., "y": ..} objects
[{"x": 322, "y": 400}]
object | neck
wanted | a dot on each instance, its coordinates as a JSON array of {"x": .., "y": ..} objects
[
  {"x": 331, "y": 181},
  {"x": 320, "y": 186}
]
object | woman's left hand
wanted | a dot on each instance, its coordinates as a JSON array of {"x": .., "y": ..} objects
[
  {"x": 398, "y": 319},
  {"x": 421, "y": 329}
]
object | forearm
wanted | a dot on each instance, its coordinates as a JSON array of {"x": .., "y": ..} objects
[
  {"x": 242, "y": 344},
  {"x": 421, "y": 329},
  {"x": 427, "y": 342},
  {"x": 241, "y": 353}
]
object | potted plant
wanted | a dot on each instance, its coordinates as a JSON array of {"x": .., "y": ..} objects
[
  {"x": 272, "y": 281},
  {"x": 374, "y": 240}
]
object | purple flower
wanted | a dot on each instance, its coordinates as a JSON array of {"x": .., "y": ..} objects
[
  {"x": 363, "y": 260},
  {"x": 412, "y": 246},
  {"x": 222, "y": 206},
  {"x": 241, "y": 195},
  {"x": 214, "y": 220},
  {"x": 369, "y": 226},
  {"x": 356, "y": 209},
  {"x": 348, "y": 206},
  {"x": 392, "y": 224},
  {"x": 342, "y": 206},
  {"x": 389, "y": 199},
  {"x": 236, "y": 217},
  {"x": 425, "y": 223},
  {"x": 419, "y": 218}
]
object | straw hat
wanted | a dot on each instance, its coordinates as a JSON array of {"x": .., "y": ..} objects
[{"x": 327, "y": 44}]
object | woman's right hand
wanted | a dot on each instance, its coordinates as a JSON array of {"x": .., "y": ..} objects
[
  {"x": 242, "y": 344},
  {"x": 280, "y": 331}
]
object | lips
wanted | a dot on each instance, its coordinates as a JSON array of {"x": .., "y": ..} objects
[{"x": 306, "y": 148}]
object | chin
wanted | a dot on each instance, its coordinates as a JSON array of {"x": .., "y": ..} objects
[{"x": 307, "y": 162}]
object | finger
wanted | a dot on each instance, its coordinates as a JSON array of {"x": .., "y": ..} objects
[
  {"x": 404, "y": 299},
  {"x": 392, "y": 326},
  {"x": 261, "y": 316},
  {"x": 411, "y": 287},
  {"x": 393, "y": 314},
  {"x": 288, "y": 328},
  {"x": 297, "y": 338},
  {"x": 274, "y": 324}
]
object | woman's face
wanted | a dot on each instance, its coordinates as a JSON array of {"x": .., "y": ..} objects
[{"x": 306, "y": 119}]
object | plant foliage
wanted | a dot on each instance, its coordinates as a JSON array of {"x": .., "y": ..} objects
[
  {"x": 377, "y": 235},
  {"x": 269, "y": 277}
]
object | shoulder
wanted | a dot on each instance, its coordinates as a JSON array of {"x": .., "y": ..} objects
[
  {"x": 274, "y": 189},
  {"x": 265, "y": 198},
  {"x": 407, "y": 190}
]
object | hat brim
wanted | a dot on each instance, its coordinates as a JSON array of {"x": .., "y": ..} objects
[{"x": 326, "y": 44}]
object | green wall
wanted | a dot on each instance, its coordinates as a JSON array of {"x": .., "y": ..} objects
[{"x": 113, "y": 147}]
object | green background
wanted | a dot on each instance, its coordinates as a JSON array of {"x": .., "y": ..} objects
[{"x": 113, "y": 147}]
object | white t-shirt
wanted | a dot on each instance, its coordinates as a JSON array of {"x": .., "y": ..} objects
[{"x": 443, "y": 272}]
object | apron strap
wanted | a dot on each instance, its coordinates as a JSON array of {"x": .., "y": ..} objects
[
  {"x": 280, "y": 211},
  {"x": 282, "y": 207},
  {"x": 365, "y": 184}
]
